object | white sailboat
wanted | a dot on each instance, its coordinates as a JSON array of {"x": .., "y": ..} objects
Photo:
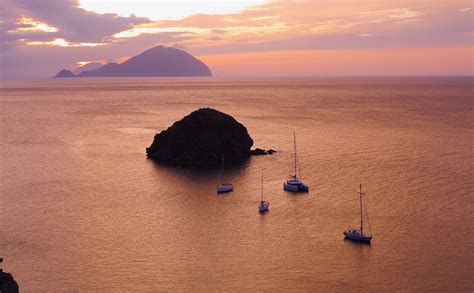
[
  {"x": 358, "y": 235},
  {"x": 295, "y": 184},
  {"x": 223, "y": 187},
  {"x": 263, "y": 206}
]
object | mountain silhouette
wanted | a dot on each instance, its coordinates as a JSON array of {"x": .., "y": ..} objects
[
  {"x": 65, "y": 73},
  {"x": 158, "y": 61}
]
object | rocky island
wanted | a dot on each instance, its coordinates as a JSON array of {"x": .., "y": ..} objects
[
  {"x": 8, "y": 283},
  {"x": 64, "y": 73},
  {"x": 159, "y": 61},
  {"x": 200, "y": 140}
]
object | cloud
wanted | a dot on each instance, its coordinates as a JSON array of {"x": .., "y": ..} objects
[
  {"x": 29, "y": 29},
  {"x": 60, "y": 19},
  {"x": 46, "y": 61},
  {"x": 61, "y": 43},
  {"x": 335, "y": 24},
  {"x": 286, "y": 25}
]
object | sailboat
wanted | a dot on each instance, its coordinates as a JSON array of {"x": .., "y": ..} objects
[
  {"x": 358, "y": 235},
  {"x": 223, "y": 187},
  {"x": 263, "y": 206},
  {"x": 295, "y": 184}
]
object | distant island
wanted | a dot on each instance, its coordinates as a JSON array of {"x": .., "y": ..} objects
[
  {"x": 159, "y": 61},
  {"x": 65, "y": 73}
]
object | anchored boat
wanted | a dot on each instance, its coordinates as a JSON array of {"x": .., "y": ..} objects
[
  {"x": 358, "y": 235},
  {"x": 295, "y": 184},
  {"x": 223, "y": 187},
  {"x": 263, "y": 206}
]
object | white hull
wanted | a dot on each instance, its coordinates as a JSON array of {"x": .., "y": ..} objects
[
  {"x": 295, "y": 186},
  {"x": 356, "y": 236},
  {"x": 263, "y": 207},
  {"x": 224, "y": 188}
]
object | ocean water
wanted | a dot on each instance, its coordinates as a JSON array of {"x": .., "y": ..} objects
[{"x": 83, "y": 209}]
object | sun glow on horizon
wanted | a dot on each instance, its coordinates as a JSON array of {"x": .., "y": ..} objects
[
  {"x": 344, "y": 62},
  {"x": 83, "y": 63},
  {"x": 103, "y": 61}
]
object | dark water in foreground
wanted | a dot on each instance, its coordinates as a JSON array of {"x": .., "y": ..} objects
[{"x": 82, "y": 209}]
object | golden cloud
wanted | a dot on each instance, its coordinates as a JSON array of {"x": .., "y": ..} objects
[
  {"x": 29, "y": 24},
  {"x": 61, "y": 43}
]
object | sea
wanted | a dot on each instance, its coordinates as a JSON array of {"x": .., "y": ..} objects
[{"x": 82, "y": 209}]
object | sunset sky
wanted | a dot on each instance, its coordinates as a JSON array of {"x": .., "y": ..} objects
[{"x": 243, "y": 38}]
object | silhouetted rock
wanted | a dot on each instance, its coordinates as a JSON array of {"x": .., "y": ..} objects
[
  {"x": 87, "y": 67},
  {"x": 200, "y": 139},
  {"x": 8, "y": 283},
  {"x": 65, "y": 73},
  {"x": 259, "y": 152},
  {"x": 158, "y": 61}
]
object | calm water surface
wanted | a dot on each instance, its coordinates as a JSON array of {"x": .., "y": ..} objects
[{"x": 82, "y": 209}]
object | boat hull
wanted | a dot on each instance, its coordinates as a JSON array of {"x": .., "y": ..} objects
[
  {"x": 295, "y": 188},
  {"x": 225, "y": 188},
  {"x": 357, "y": 237},
  {"x": 219, "y": 191},
  {"x": 263, "y": 208}
]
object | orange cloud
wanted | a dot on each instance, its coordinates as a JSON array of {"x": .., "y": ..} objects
[
  {"x": 286, "y": 20},
  {"x": 62, "y": 43},
  {"x": 28, "y": 24}
]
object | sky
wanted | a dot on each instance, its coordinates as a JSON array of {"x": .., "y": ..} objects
[{"x": 243, "y": 38}]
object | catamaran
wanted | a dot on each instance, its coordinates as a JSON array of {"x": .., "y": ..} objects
[
  {"x": 358, "y": 235},
  {"x": 263, "y": 206},
  {"x": 295, "y": 184},
  {"x": 223, "y": 187}
]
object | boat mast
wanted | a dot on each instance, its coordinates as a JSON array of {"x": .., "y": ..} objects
[
  {"x": 294, "y": 141},
  {"x": 361, "y": 218},
  {"x": 262, "y": 184}
]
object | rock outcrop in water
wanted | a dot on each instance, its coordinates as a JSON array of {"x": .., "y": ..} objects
[
  {"x": 200, "y": 139},
  {"x": 260, "y": 152},
  {"x": 8, "y": 283}
]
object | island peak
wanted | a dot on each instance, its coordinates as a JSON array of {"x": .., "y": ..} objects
[
  {"x": 159, "y": 61},
  {"x": 64, "y": 73}
]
